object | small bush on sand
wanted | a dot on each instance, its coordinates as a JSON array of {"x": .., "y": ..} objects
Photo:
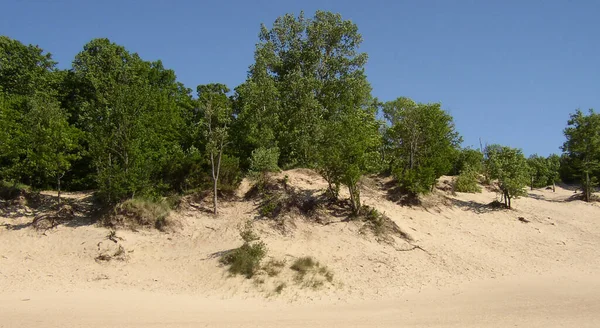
[
  {"x": 310, "y": 272},
  {"x": 246, "y": 259},
  {"x": 280, "y": 287},
  {"x": 274, "y": 267}
]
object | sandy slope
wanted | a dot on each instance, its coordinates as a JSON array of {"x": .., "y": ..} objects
[{"x": 481, "y": 268}]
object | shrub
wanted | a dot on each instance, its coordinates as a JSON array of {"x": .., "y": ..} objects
[
  {"x": 280, "y": 287},
  {"x": 467, "y": 181},
  {"x": 246, "y": 259},
  {"x": 264, "y": 160},
  {"x": 303, "y": 265},
  {"x": 140, "y": 212},
  {"x": 273, "y": 267},
  {"x": 230, "y": 174},
  {"x": 309, "y": 267},
  {"x": 10, "y": 191}
]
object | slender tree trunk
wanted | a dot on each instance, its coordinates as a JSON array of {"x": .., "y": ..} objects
[
  {"x": 215, "y": 178},
  {"x": 587, "y": 187},
  {"x": 531, "y": 182},
  {"x": 58, "y": 187},
  {"x": 553, "y": 186}
]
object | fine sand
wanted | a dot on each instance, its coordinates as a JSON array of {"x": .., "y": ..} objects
[{"x": 474, "y": 267}]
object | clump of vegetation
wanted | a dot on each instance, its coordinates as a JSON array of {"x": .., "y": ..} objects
[
  {"x": 246, "y": 259},
  {"x": 140, "y": 212},
  {"x": 274, "y": 267},
  {"x": 310, "y": 272},
  {"x": 11, "y": 191},
  {"x": 467, "y": 181},
  {"x": 280, "y": 287}
]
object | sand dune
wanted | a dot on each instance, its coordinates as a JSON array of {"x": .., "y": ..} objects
[{"x": 475, "y": 267}]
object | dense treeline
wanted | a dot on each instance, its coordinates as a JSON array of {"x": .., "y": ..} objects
[{"x": 125, "y": 126}]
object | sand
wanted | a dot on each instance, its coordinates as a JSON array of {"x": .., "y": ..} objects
[{"x": 476, "y": 267}]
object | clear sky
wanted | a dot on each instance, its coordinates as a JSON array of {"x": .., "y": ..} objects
[{"x": 509, "y": 71}]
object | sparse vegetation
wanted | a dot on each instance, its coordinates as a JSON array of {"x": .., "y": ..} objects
[
  {"x": 311, "y": 273},
  {"x": 274, "y": 267}
]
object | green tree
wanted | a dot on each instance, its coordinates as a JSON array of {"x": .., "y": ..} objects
[
  {"x": 51, "y": 142},
  {"x": 24, "y": 69},
  {"x": 538, "y": 171},
  {"x": 424, "y": 143},
  {"x": 553, "y": 164},
  {"x": 305, "y": 71},
  {"x": 132, "y": 112},
  {"x": 583, "y": 148},
  {"x": 509, "y": 167},
  {"x": 217, "y": 110},
  {"x": 349, "y": 150},
  {"x": 468, "y": 158}
]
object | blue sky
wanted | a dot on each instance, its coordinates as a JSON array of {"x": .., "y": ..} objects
[{"x": 509, "y": 72}]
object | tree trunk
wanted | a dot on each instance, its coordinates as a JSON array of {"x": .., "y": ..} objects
[
  {"x": 587, "y": 187},
  {"x": 553, "y": 186},
  {"x": 355, "y": 199},
  {"x": 214, "y": 177},
  {"x": 532, "y": 183},
  {"x": 58, "y": 187}
]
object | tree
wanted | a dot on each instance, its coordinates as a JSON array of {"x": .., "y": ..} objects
[
  {"x": 305, "y": 71},
  {"x": 348, "y": 151},
  {"x": 509, "y": 167},
  {"x": 468, "y": 158},
  {"x": 217, "y": 110},
  {"x": 51, "y": 143},
  {"x": 24, "y": 69},
  {"x": 553, "y": 164},
  {"x": 424, "y": 143},
  {"x": 538, "y": 171},
  {"x": 583, "y": 148}
]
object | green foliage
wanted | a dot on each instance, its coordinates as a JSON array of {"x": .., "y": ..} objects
[
  {"x": 539, "y": 171},
  {"x": 468, "y": 158},
  {"x": 230, "y": 174},
  {"x": 347, "y": 151},
  {"x": 264, "y": 160},
  {"x": 467, "y": 181},
  {"x": 582, "y": 149},
  {"x": 424, "y": 143},
  {"x": 509, "y": 167},
  {"x": 305, "y": 70}
]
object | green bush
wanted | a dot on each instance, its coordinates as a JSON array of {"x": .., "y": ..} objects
[
  {"x": 467, "y": 181},
  {"x": 230, "y": 174},
  {"x": 246, "y": 259},
  {"x": 303, "y": 265}
]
